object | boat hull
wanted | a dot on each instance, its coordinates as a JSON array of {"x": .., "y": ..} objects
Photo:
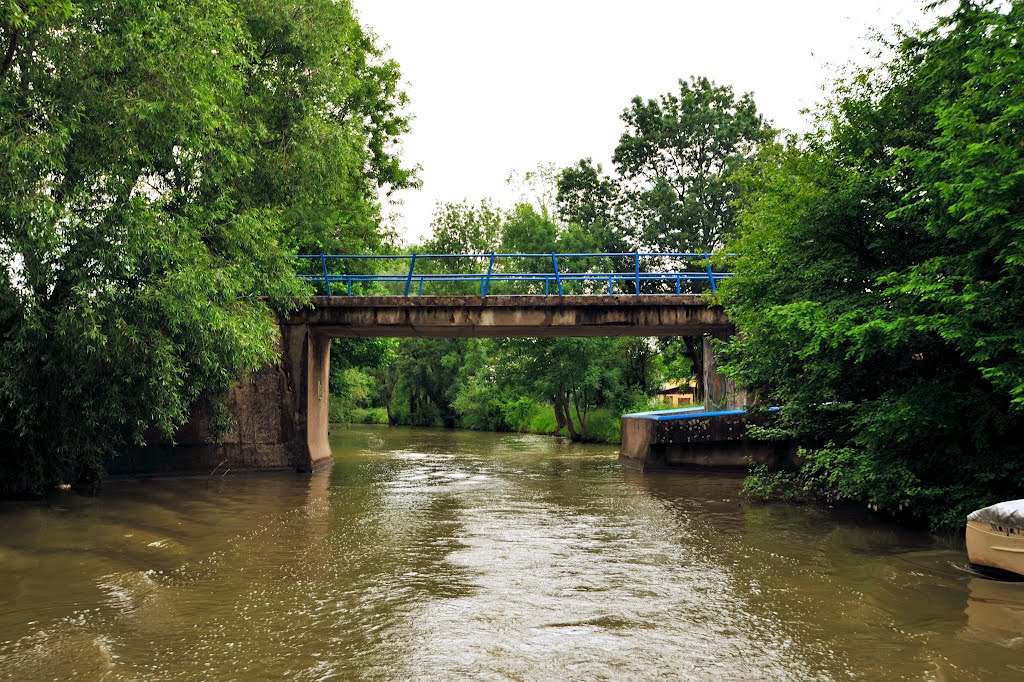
[{"x": 994, "y": 546}]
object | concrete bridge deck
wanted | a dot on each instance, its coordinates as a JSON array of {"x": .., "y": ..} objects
[{"x": 505, "y": 316}]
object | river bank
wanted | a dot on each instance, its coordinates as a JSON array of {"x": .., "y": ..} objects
[{"x": 603, "y": 424}]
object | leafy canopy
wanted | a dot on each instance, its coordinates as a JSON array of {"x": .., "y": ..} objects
[
  {"x": 880, "y": 287},
  {"x": 160, "y": 164}
]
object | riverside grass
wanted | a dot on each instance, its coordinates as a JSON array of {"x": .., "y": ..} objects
[{"x": 603, "y": 423}]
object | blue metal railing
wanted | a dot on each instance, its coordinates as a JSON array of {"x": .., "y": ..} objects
[
  {"x": 554, "y": 279},
  {"x": 688, "y": 413}
]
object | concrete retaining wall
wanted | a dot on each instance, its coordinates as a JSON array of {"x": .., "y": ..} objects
[
  {"x": 714, "y": 442},
  {"x": 280, "y": 413}
]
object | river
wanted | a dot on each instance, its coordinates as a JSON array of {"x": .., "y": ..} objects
[{"x": 441, "y": 555}]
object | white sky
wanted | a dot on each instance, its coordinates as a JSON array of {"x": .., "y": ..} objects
[{"x": 497, "y": 87}]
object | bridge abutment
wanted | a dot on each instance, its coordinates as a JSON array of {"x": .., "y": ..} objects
[
  {"x": 720, "y": 392},
  {"x": 280, "y": 420}
]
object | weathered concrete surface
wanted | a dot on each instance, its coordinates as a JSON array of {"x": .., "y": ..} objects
[
  {"x": 698, "y": 443},
  {"x": 281, "y": 420},
  {"x": 504, "y": 316},
  {"x": 720, "y": 392}
]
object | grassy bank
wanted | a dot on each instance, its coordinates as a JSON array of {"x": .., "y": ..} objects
[
  {"x": 602, "y": 423},
  {"x": 340, "y": 413}
]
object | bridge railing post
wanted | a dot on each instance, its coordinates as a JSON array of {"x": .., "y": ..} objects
[
  {"x": 711, "y": 275},
  {"x": 327, "y": 280},
  {"x": 636, "y": 269},
  {"x": 558, "y": 277},
  {"x": 485, "y": 286},
  {"x": 408, "y": 280}
]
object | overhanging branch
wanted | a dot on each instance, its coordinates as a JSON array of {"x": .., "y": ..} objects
[{"x": 9, "y": 57}]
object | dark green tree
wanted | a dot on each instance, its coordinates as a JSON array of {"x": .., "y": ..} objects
[
  {"x": 422, "y": 381},
  {"x": 589, "y": 198},
  {"x": 573, "y": 374},
  {"x": 880, "y": 285},
  {"x": 160, "y": 163},
  {"x": 676, "y": 159}
]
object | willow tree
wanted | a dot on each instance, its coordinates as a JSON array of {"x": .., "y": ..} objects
[{"x": 160, "y": 163}]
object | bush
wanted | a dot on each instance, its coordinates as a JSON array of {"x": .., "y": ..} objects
[
  {"x": 519, "y": 413},
  {"x": 371, "y": 415}
]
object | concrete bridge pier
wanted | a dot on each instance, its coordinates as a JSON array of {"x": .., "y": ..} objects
[
  {"x": 720, "y": 392},
  {"x": 280, "y": 415},
  {"x": 307, "y": 363}
]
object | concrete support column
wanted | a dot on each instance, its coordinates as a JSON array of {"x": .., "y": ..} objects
[
  {"x": 720, "y": 392},
  {"x": 306, "y": 360}
]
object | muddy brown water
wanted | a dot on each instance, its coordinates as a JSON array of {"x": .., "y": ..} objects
[{"x": 441, "y": 555}]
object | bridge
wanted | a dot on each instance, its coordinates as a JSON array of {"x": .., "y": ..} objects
[{"x": 282, "y": 410}]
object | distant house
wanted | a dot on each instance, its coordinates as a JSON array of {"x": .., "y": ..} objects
[{"x": 678, "y": 395}]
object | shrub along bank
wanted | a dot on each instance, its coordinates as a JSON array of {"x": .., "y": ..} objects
[{"x": 521, "y": 416}]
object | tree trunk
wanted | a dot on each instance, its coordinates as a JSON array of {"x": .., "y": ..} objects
[
  {"x": 582, "y": 419},
  {"x": 562, "y": 401},
  {"x": 559, "y": 415},
  {"x": 698, "y": 365},
  {"x": 9, "y": 56}
]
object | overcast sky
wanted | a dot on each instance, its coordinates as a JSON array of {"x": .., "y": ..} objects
[{"x": 497, "y": 87}]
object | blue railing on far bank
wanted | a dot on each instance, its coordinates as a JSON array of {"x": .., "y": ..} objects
[{"x": 687, "y": 276}]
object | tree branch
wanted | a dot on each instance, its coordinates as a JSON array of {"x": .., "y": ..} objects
[{"x": 9, "y": 57}]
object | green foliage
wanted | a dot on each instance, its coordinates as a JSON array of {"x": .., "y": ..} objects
[
  {"x": 673, "y": 359},
  {"x": 591, "y": 200},
  {"x": 479, "y": 398},
  {"x": 370, "y": 415},
  {"x": 880, "y": 288},
  {"x": 767, "y": 485},
  {"x": 676, "y": 159},
  {"x": 575, "y": 374},
  {"x": 519, "y": 413},
  {"x": 159, "y": 163},
  {"x": 421, "y": 381},
  {"x": 479, "y": 404},
  {"x": 541, "y": 421}
]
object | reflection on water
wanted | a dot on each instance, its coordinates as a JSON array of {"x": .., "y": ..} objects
[{"x": 450, "y": 555}]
